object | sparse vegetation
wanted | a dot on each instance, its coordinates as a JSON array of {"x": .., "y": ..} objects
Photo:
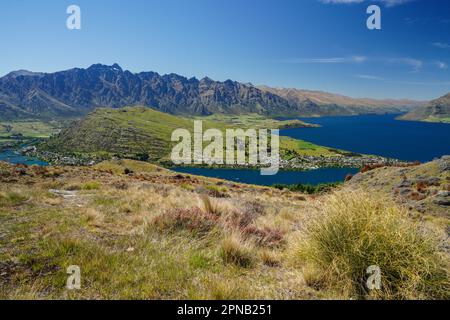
[
  {"x": 146, "y": 235},
  {"x": 92, "y": 185},
  {"x": 308, "y": 188}
]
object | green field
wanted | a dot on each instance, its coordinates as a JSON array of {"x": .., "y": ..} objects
[
  {"x": 257, "y": 121},
  {"x": 29, "y": 129},
  {"x": 435, "y": 119}
]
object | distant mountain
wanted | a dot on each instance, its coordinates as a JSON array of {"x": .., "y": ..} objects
[
  {"x": 335, "y": 104},
  {"x": 436, "y": 111},
  {"x": 75, "y": 92}
]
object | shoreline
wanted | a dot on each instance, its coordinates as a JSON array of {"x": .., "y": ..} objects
[{"x": 302, "y": 163}]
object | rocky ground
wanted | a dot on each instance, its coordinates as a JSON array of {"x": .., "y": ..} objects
[{"x": 423, "y": 188}]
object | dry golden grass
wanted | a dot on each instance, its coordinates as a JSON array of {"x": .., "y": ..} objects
[
  {"x": 147, "y": 236},
  {"x": 353, "y": 231}
]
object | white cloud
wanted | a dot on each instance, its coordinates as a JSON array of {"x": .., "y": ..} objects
[
  {"x": 388, "y": 3},
  {"x": 413, "y": 83},
  {"x": 414, "y": 63},
  {"x": 441, "y": 65},
  {"x": 351, "y": 59},
  {"x": 409, "y": 83},
  {"x": 368, "y": 77},
  {"x": 341, "y": 1},
  {"x": 392, "y": 3},
  {"x": 441, "y": 45}
]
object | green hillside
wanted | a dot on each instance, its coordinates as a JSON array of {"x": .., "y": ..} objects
[{"x": 144, "y": 133}]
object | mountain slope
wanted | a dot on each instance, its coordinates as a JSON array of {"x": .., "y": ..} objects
[
  {"x": 335, "y": 104},
  {"x": 76, "y": 92},
  {"x": 436, "y": 111}
]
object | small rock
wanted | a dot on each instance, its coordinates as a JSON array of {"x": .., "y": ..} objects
[
  {"x": 442, "y": 202},
  {"x": 442, "y": 198},
  {"x": 403, "y": 184},
  {"x": 63, "y": 193},
  {"x": 443, "y": 194}
]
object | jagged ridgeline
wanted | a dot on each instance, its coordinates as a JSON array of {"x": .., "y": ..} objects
[{"x": 76, "y": 92}]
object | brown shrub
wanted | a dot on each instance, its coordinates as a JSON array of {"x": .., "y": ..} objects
[
  {"x": 265, "y": 237},
  {"x": 421, "y": 186},
  {"x": 39, "y": 170},
  {"x": 417, "y": 196},
  {"x": 249, "y": 211},
  {"x": 370, "y": 167},
  {"x": 348, "y": 177}
]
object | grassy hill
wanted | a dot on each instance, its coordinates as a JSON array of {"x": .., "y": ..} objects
[
  {"x": 136, "y": 132},
  {"x": 426, "y": 188},
  {"x": 138, "y": 231},
  {"x": 436, "y": 111}
]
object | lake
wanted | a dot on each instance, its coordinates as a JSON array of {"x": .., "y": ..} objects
[
  {"x": 313, "y": 177},
  {"x": 379, "y": 135},
  {"x": 371, "y": 134},
  {"x": 11, "y": 157}
]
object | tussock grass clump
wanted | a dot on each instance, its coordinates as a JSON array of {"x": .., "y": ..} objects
[
  {"x": 213, "y": 206},
  {"x": 354, "y": 231},
  {"x": 192, "y": 219},
  {"x": 11, "y": 199},
  {"x": 234, "y": 250},
  {"x": 92, "y": 185}
]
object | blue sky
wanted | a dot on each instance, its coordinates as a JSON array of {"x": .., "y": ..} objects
[{"x": 308, "y": 44}]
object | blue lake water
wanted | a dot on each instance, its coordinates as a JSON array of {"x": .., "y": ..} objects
[
  {"x": 283, "y": 177},
  {"x": 379, "y": 135},
  {"x": 11, "y": 157},
  {"x": 370, "y": 134}
]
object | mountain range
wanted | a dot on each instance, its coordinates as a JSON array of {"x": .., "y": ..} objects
[
  {"x": 336, "y": 104},
  {"x": 76, "y": 92}
]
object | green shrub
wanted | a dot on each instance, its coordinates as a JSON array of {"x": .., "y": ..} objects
[
  {"x": 308, "y": 188},
  {"x": 355, "y": 231},
  {"x": 11, "y": 199},
  {"x": 93, "y": 185}
]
